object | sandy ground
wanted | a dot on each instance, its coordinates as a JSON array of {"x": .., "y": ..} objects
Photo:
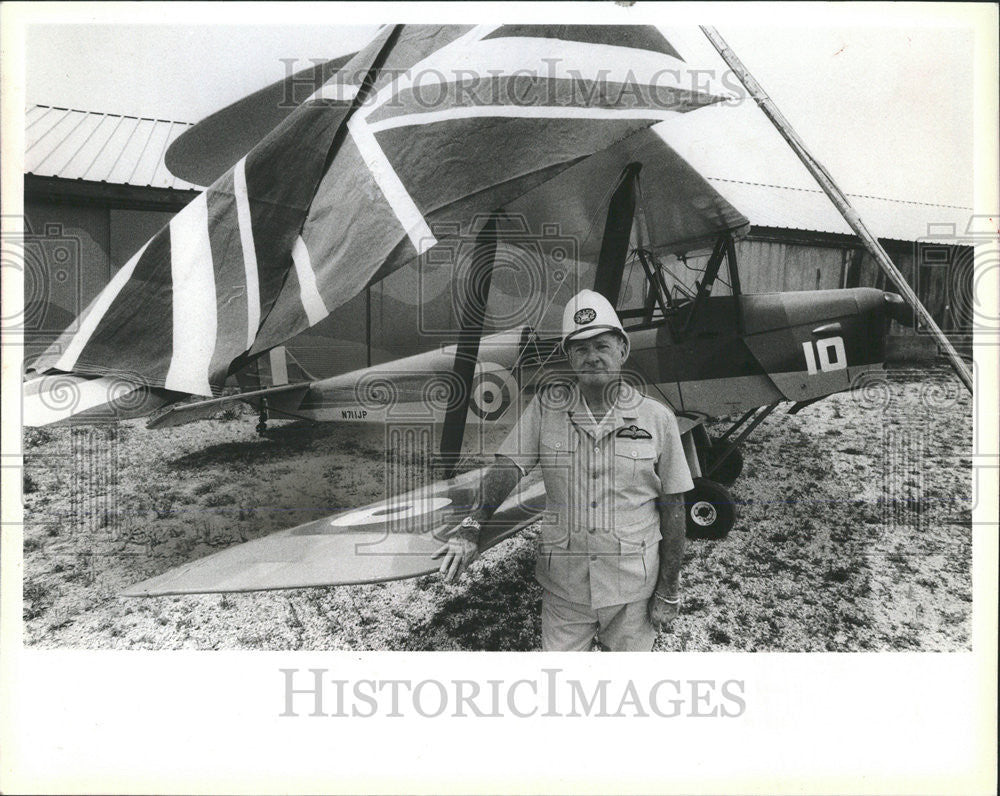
[{"x": 854, "y": 534}]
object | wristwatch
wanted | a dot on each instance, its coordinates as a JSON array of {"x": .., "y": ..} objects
[
  {"x": 469, "y": 530},
  {"x": 471, "y": 523}
]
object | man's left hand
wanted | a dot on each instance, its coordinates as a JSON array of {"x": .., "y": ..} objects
[{"x": 661, "y": 614}]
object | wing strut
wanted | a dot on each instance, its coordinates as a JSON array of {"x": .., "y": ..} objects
[
  {"x": 822, "y": 176},
  {"x": 617, "y": 235},
  {"x": 707, "y": 282},
  {"x": 473, "y": 297}
]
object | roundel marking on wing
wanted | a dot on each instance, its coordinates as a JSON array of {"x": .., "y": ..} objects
[
  {"x": 384, "y": 512},
  {"x": 493, "y": 389}
]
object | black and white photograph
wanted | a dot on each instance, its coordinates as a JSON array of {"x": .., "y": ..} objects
[{"x": 589, "y": 327}]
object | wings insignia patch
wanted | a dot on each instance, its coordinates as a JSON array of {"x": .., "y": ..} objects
[{"x": 633, "y": 432}]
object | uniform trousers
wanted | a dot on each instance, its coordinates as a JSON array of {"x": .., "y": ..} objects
[{"x": 569, "y": 627}]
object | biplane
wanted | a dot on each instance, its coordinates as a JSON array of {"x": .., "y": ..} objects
[{"x": 349, "y": 188}]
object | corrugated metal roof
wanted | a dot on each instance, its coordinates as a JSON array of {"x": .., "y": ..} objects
[
  {"x": 812, "y": 211},
  {"x": 100, "y": 147}
]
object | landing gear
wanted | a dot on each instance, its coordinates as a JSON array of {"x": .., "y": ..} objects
[
  {"x": 262, "y": 419},
  {"x": 723, "y": 462},
  {"x": 709, "y": 509},
  {"x": 720, "y": 457},
  {"x": 720, "y": 460}
]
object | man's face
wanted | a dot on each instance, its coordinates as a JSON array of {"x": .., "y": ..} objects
[{"x": 598, "y": 360}]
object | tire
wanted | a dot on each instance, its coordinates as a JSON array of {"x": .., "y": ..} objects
[
  {"x": 709, "y": 510},
  {"x": 730, "y": 468}
]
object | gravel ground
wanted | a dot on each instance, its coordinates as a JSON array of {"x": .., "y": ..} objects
[{"x": 854, "y": 534}]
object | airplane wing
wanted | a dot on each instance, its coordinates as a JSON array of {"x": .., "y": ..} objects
[
  {"x": 203, "y": 410},
  {"x": 206, "y": 151},
  {"x": 62, "y": 398},
  {"x": 388, "y": 540},
  {"x": 361, "y": 179}
]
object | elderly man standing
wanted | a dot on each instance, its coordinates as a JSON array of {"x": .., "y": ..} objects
[{"x": 614, "y": 469}]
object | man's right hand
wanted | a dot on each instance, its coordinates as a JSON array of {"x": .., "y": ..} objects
[
  {"x": 457, "y": 554},
  {"x": 662, "y": 614}
]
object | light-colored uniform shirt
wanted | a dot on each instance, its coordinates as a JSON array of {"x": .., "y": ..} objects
[{"x": 603, "y": 483}]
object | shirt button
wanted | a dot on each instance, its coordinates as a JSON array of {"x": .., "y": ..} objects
[
  {"x": 634, "y": 454},
  {"x": 596, "y": 474},
  {"x": 593, "y": 504},
  {"x": 597, "y": 450},
  {"x": 593, "y": 558}
]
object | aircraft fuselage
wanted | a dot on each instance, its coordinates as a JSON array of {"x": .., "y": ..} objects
[{"x": 738, "y": 353}]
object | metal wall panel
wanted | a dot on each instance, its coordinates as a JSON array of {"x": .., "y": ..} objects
[{"x": 769, "y": 266}]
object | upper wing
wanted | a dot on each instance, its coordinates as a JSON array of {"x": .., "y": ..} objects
[
  {"x": 362, "y": 178},
  {"x": 203, "y": 153}
]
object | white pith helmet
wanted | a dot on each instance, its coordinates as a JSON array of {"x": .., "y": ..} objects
[{"x": 589, "y": 314}]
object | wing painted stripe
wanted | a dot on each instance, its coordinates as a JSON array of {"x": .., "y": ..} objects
[
  {"x": 93, "y": 318},
  {"x": 279, "y": 366},
  {"x": 45, "y": 398},
  {"x": 244, "y": 218},
  {"x": 592, "y": 74},
  {"x": 312, "y": 301},
  {"x": 395, "y": 193},
  {"x": 194, "y": 309},
  {"x": 577, "y": 61},
  {"x": 440, "y": 57},
  {"x": 385, "y": 176},
  {"x": 515, "y": 112},
  {"x": 230, "y": 278},
  {"x": 633, "y": 37}
]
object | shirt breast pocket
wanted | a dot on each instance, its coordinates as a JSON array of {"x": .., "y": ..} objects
[
  {"x": 557, "y": 444},
  {"x": 633, "y": 459}
]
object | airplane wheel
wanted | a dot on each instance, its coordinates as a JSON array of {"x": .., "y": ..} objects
[
  {"x": 709, "y": 509},
  {"x": 731, "y": 467}
]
